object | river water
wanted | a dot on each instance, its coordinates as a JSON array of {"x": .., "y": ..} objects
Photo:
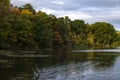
[{"x": 61, "y": 64}]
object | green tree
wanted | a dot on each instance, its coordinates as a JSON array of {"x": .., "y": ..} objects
[
  {"x": 80, "y": 29},
  {"x": 4, "y": 19},
  {"x": 4, "y": 8},
  {"x": 20, "y": 34},
  {"x": 104, "y": 33},
  {"x": 42, "y": 30}
]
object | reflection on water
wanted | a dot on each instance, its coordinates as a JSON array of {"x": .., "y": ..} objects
[
  {"x": 63, "y": 65},
  {"x": 78, "y": 71},
  {"x": 99, "y": 50},
  {"x": 72, "y": 71}
]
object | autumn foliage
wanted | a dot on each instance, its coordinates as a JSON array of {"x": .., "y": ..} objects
[{"x": 24, "y": 28}]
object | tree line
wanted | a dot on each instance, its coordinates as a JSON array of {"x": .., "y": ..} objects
[{"x": 24, "y": 28}]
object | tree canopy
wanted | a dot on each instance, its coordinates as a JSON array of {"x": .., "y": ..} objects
[{"x": 24, "y": 28}]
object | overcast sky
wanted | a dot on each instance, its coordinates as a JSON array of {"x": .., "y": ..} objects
[{"x": 88, "y": 10}]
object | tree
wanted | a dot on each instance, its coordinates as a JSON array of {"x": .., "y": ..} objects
[
  {"x": 20, "y": 34},
  {"x": 4, "y": 19},
  {"x": 28, "y": 7},
  {"x": 42, "y": 30},
  {"x": 14, "y": 10},
  {"x": 80, "y": 28},
  {"x": 104, "y": 33},
  {"x": 4, "y": 8}
]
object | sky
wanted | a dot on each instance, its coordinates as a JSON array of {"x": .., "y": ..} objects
[{"x": 90, "y": 11}]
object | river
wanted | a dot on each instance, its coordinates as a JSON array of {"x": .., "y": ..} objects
[{"x": 61, "y": 64}]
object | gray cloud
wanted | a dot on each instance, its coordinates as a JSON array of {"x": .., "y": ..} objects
[
  {"x": 80, "y": 4},
  {"x": 88, "y": 10}
]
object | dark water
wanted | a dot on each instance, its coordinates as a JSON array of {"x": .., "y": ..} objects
[{"x": 61, "y": 64}]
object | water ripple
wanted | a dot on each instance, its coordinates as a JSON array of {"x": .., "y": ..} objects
[
  {"x": 76, "y": 71},
  {"x": 72, "y": 71}
]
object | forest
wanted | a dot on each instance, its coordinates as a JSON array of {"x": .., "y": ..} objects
[{"x": 25, "y": 28}]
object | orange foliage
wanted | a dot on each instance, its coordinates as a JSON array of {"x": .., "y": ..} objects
[
  {"x": 58, "y": 37},
  {"x": 15, "y": 10}
]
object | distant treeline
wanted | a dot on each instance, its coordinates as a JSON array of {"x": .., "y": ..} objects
[{"x": 24, "y": 28}]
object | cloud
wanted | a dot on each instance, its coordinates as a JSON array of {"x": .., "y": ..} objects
[
  {"x": 71, "y": 14},
  {"x": 88, "y": 10},
  {"x": 20, "y": 2},
  {"x": 58, "y": 2},
  {"x": 49, "y": 11}
]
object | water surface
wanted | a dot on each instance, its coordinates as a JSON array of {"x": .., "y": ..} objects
[{"x": 61, "y": 64}]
